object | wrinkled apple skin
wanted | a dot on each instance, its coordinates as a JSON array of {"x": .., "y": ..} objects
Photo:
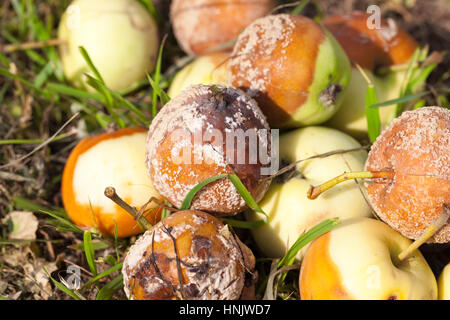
[
  {"x": 290, "y": 212},
  {"x": 120, "y": 36}
]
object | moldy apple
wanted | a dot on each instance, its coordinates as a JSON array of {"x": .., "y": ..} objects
[{"x": 295, "y": 69}]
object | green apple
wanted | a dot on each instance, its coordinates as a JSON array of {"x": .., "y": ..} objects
[
  {"x": 208, "y": 69},
  {"x": 444, "y": 283},
  {"x": 289, "y": 210},
  {"x": 359, "y": 260},
  {"x": 120, "y": 36}
]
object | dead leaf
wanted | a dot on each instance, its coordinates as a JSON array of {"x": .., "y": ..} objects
[{"x": 24, "y": 225}]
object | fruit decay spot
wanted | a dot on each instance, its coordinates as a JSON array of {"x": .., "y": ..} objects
[
  {"x": 146, "y": 270},
  {"x": 328, "y": 96},
  {"x": 219, "y": 99},
  {"x": 201, "y": 243},
  {"x": 191, "y": 290},
  {"x": 392, "y": 297}
]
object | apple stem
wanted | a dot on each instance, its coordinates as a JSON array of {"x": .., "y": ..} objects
[
  {"x": 437, "y": 224},
  {"x": 31, "y": 45},
  {"x": 158, "y": 202},
  {"x": 314, "y": 192},
  {"x": 110, "y": 192},
  {"x": 365, "y": 76}
]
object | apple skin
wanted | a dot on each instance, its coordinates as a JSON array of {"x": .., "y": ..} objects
[
  {"x": 208, "y": 69},
  {"x": 266, "y": 70},
  {"x": 357, "y": 260},
  {"x": 444, "y": 283},
  {"x": 108, "y": 159},
  {"x": 290, "y": 211},
  {"x": 120, "y": 36},
  {"x": 351, "y": 117}
]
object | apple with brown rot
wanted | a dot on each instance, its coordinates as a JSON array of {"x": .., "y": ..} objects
[
  {"x": 373, "y": 49},
  {"x": 293, "y": 67},
  {"x": 408, "y": 169}
]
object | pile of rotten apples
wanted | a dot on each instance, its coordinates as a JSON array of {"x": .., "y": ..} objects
[{"x": 257, "y": 71}]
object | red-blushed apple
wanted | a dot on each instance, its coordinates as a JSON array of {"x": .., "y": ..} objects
[{"x": 359, "y": 260}]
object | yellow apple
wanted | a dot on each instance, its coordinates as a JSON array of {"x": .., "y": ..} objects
[
  {"x": 359, "y": 260},
  {"x": 108, "y": 159},
  {"x": 290, "y": 211},
  {"x": 351, "y": 117},
  {"x": 209, "y": 69},
  {"x": 444, "y": 283},
  {"x": 120, "y": 36}
]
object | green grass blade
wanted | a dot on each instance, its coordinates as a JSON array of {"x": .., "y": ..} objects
[
  {"x": 400, "y": 100},
  {"x": 251, "y": 203},
  {"x": 153, "y": 11},
  {"x": 73, "y": 92},
  {"x": 244, "y": 224},
  {"x": 62, "y": 287},
  {"x": 298, "y": 9},
  {"x": 102, "y": 275},
  {"x": 89, "y": 62},
  {"x": 97, "y": 245},
  {"x": 65, "y": 222},
  {"x": 4, "y": 60},
  {"x": 186, "y": 204},
  {"x": 89, "y": 252},
  {"x": 245, "y": 194},
  {"x": 25, "y": 204},
  {"x": 407, "y": 78},
  {"x": 306, "y": 238},
  {"x": 157, "y": 76},
  {"x": 109, "y": 100},
  {"x": 109, "y": 289},
  {"x": 34, "y": 141},
  {"x": 372, "y": 114}
]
